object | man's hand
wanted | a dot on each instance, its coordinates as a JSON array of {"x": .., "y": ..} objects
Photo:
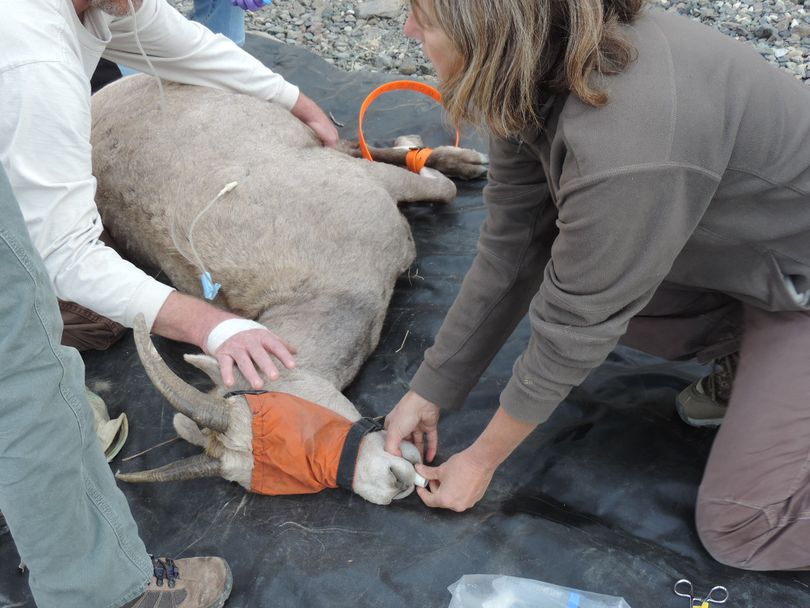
[
  {"x": 249, "y": 349},
  {"x": 416, "y": 419},
  {"x": 191, "y": 320},
  {"x": 308, "y": 112},
  {"x": 459, "y": 483}
]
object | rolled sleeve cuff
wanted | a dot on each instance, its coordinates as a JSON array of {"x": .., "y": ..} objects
[
  {"x": 287, "y": 96},
  {"x": 148, "y": 300},
  {"x": 525, "y": 406},
  {"x": 429, "y": 384}
]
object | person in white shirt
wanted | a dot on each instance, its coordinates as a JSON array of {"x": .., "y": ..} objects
[
  {"x": 48, "y": 52},
  {"x": 70, "y": 523}
]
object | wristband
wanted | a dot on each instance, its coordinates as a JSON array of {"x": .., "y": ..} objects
[{"x": 227, "y": 329}]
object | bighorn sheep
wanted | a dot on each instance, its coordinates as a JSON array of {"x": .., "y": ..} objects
[{"x": 309, "y": 243}]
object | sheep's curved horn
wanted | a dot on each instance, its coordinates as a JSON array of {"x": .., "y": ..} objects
[
  {"x": 193, "y": 467},
  {"x": 206, "y": 410}
]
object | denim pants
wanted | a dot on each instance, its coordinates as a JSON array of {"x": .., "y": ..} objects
[
  {"x": 71, "y": 524},
  {"x": 221, "y": 17}
]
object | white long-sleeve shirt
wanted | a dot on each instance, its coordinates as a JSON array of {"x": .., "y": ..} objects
[{"x": 47, "y": 56}]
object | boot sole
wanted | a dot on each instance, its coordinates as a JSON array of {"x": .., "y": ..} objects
[
  {"x": 696, "y": 422},
  {"x": 226, "y": 591}
]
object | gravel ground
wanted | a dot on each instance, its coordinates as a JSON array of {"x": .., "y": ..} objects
[{"x": 367, "y": 34}]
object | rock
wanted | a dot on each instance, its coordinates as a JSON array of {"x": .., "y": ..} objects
[
  {"x": 766, "y": 31},
  {"x": 380, "y": 8},
  {"x": 383, "y": 61},
  {"x": 407, "y": 67},
  {"x": 735, "y": 28}
]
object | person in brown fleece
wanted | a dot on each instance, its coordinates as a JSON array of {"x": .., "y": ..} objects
[{"x": 649, "y": 183}]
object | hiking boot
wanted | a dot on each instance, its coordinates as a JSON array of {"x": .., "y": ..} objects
[
  {"x": 194, "y": 582},
  {"x": 704, "y": 403}
]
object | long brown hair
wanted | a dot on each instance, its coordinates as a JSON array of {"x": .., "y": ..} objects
[{"x": 513, "y": 52}]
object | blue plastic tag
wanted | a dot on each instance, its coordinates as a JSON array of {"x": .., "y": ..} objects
[{"x": 210, "y": 289}]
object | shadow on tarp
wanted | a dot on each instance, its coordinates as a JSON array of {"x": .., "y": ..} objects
[{"x": 600, "y": 498}]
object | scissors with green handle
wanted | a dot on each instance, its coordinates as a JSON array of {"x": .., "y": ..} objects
[{"x": 718, "y": 595}]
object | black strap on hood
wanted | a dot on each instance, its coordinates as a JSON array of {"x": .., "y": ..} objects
[{"x": 351, "y": 447}]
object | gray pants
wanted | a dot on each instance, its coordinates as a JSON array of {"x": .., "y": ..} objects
[
  {"x": 753, "y": 507},
  {"x": 71, "y": 524}
]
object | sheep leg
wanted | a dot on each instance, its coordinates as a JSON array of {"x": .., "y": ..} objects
[{"x": 463, "y": 163}]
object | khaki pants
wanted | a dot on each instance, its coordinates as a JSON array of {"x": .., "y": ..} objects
[
  {"x": 85, "y": 330},
  {"x": 753, "y": 506}
]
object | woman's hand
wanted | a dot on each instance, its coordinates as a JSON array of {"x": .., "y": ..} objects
[
  {"x": 416, "y": 419},
  {"x": 459, "y": 483}
]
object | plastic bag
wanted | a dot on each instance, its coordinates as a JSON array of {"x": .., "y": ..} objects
[{"x": 495, "y": 591}]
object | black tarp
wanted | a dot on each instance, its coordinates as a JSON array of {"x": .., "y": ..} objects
[{"x": 600, "y": 498}]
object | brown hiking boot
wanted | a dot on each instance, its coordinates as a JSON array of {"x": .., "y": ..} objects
[
  {"x": 704, "y": 403},
  {"x": 194, "y": 582}
]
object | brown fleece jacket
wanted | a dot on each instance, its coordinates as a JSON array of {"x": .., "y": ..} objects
[{"x": 697, "y": 172}]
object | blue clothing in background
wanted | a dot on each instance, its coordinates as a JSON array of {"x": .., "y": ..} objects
[{"x": 221, "y": 17}]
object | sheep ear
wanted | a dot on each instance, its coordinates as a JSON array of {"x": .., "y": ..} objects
[
  {"x": 188, "y": 430},
  {"x": 210, "y": 366},
  {"x": 206, "y": 364}
]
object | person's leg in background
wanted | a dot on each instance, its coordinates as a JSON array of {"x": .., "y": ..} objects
[
  {"x": 679, "y": 324},
  {"x": 221, "y": 17},
  {"x": 71, "y": 524},
  {"x": 753, "y": 508}
]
